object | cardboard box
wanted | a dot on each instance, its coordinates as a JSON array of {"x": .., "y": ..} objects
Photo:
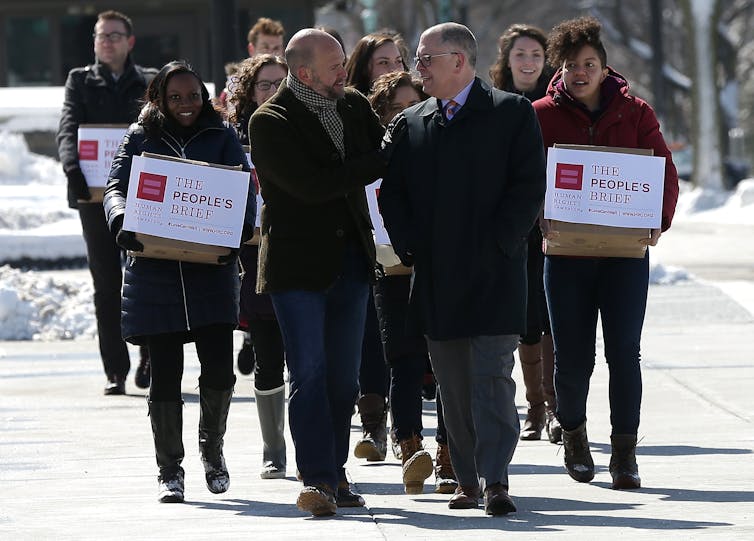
[
  {"x": 587, "y": 240},
  {"x": 178, "y": 250},
  {"x": 161, "y": 247},
  {"x": 97, "y": 146}
]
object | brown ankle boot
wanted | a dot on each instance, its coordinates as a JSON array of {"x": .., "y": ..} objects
[
  {"x": 445, "y": 477},
  {"x": 623, "y": 467},
  {"x": 417, "y": 465},
  {"x": 373, "y": 412},
  {"x": 531, "y": 366}
]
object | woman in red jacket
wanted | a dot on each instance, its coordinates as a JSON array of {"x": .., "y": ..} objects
[{"x": 588, "y": 103}]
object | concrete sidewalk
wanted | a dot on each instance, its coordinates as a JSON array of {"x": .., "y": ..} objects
[{"x": 75, "y": 464}]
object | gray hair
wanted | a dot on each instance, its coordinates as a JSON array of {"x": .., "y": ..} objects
[{"x": 460, "y": 37}]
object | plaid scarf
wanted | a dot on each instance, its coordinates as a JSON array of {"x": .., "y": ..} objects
[{"x": 324, "y": 108}]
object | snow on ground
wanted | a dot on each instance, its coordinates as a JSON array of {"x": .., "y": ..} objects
[
  {"x": 43, "y": 306},
  {"x": 36, "y": 223}
]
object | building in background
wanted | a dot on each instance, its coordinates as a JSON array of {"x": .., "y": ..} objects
[{"x": 41, "y": 40}]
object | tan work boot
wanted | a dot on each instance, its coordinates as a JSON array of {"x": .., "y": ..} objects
[
  {"x": 417, "y": 465},
  {"x": 445, "y": 477}
]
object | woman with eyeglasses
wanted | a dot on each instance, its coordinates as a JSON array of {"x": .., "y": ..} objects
[
  {"x": 166, "y": 303},
  {"x": 588, "y": 103},
  {"x": 256, "y": 81},
  {"x": 521, "y": 68}
]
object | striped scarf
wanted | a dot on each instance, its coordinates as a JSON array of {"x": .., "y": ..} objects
[{"x": 324, "y": 108}]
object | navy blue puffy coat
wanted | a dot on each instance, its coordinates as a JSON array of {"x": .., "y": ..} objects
[{"x": 163, "y": 296}]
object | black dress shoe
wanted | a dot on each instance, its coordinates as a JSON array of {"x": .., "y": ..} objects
[
  {"x": 464, "y": 498},
  {"x": 143, "y": 372},
  {"x": 116, "y": 385},
  {"x": 497, "y": 501}
]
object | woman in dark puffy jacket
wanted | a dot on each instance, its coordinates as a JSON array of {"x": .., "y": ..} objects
[
  {"x": 169, "y": 303},
  {"x": 588, "y": 103}
]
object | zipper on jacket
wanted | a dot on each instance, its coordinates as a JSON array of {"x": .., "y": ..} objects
[
  {"x": 182, "y": 152},
  {"x": 183, "y": 293},
  {"x": 591, "y": 134}
]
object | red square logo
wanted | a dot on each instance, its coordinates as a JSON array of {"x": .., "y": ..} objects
[
  {"x": 88, "y": 150},
  {"x": 151, "y": 186},
  {"x": 569, "y": 176}
]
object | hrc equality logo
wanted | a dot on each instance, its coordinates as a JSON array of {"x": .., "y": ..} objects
[
  {"x": 88, "y": 150},
  {"x": 151, "y": 187},
  {"x": 569, "y": 176}
]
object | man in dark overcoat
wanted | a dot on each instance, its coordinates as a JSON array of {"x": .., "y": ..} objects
[
  {"x": 110, "y": 91},
  {"x": 463, "y": 188},
  {"x": 316, "y": 145}
]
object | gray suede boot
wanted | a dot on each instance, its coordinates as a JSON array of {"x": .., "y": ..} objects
[{"x": 271, "y": 413}]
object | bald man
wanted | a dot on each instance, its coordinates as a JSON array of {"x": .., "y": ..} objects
[{"x": 315, "y": 145}]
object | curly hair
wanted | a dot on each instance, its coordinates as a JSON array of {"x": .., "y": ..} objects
[
  {"x": 152, "y": 115},
  {"x": 267, "y": 27},
  {"x": 385, "y": 87},
  {"x": 568, "y": 37},
  {"x": 357, "y": 67},
  {"x": 243, "y": 81},
  {"x": 500, "y": 72}
]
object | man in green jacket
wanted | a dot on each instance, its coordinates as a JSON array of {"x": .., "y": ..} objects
[{"x": 315, "y": 145}]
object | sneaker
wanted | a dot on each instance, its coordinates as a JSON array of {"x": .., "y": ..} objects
[
  {"x": 170, "y": 487},
  {"x": 317, "y": 500},
  {"x": 143, "y": 372}
]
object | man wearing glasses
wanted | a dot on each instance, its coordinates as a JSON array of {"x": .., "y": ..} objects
[
  {"x": 106, "y": 92},
  {"x": 464, "y": 186}
]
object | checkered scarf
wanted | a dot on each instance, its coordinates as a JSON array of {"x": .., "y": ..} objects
[{"x": 325, "y": 109}]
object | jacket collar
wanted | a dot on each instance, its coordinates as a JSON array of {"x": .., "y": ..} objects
[
  {"x": 99, "y": 74},
  {"x": 480, "y": 99}
]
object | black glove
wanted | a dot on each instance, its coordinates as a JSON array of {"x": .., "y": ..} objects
[
  {"x": 393, "y": 134},
  {"x": 247, "y": 232},
  {"x": 77, "y": 185},
  {"x": 228, "y": 258},
  {"x": 407, "y": 258},
  {"x": 127, "y": 241}
]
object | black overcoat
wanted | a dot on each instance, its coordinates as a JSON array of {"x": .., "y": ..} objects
[
  {"x": 164, "y": 296},
  {"x": 314, "y": 200},
  {"x": 461, "y": 196}
]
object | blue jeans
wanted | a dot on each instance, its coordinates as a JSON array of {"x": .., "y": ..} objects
[
  {"x": 322, "y": 332},
  {"x": 577, "y": 290}
]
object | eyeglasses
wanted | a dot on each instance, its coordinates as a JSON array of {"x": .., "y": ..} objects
[
  {"x": 426, "y": 59},
  {"x": 112, "y": 37},
  {"x": 264, "y": 86}
]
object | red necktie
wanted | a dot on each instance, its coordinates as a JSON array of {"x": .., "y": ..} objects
[{"x": 451, "y": 108}]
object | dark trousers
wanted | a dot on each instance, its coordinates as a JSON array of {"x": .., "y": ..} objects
[
  {"x": 578, "y": 289},
  {"x": 474, "y": 375},
  {"x": 104, "y": 257},
  {"x": 214, "y": 347},
  {"x": 406, "y": 379},
  {"x": 269, "y": 352},
  {"x": 537, "y": 319},
  {"x": 322, "y": 332},
  {"x": 373, "y": 374}
]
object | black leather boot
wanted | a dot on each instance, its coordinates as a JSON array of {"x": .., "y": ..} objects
[
  {"x": 213, "y": 419},
  {"x": 167, "y": 430},
  {"x": 623, "y": 467},
  {"x": 578, "y": 458}
]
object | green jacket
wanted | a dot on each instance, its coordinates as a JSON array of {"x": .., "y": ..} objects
[{"x": 314, "y": 200}]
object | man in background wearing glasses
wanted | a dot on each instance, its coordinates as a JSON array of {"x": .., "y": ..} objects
[
  {"x": 464, "y": 185},
  {"x": 106, "y": 92}
]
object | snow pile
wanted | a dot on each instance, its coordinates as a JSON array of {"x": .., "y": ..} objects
[
  {"x": 38, "y": 306},
  {"x": 35, "y": 220},
  {"x": 713, "y": 206},
  {"x": 662, "y": 275}
]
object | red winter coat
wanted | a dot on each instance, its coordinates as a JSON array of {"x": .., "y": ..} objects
[{"x": 624, "y": 121}]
